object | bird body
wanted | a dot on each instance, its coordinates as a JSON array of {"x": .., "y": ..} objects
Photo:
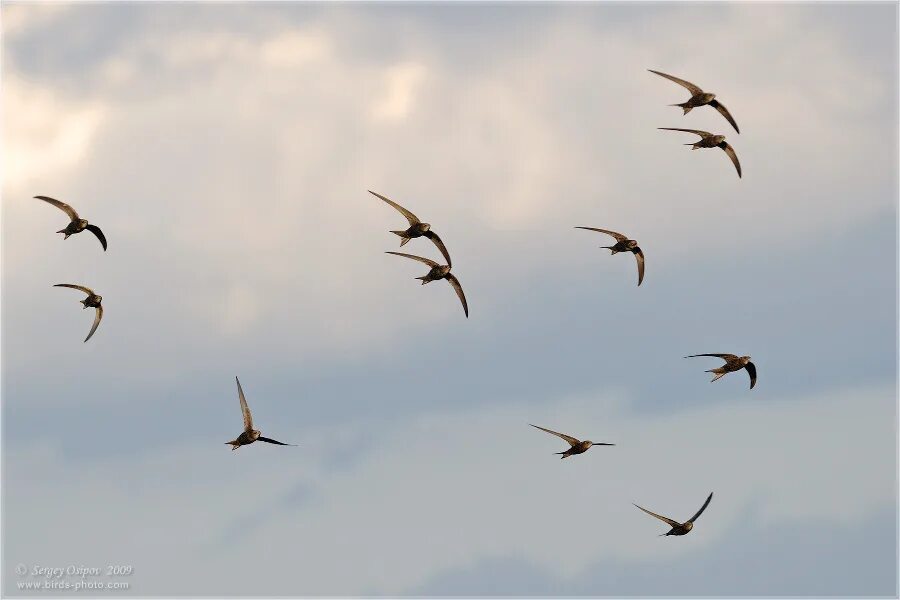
[
  {"x": 576, "y": 446},
  {"x": 698, "y": 98},
  {"x": 711, "y": 140},
  {"x": 676, "y": 527},
  {"x": 76, "y": 223},
  {"x": 623, "y": 244},
  {"x": 732, "y": 363},
  {"x": 93, "y": 300},
  {"x": 249, "y": 435},
  {"x": 416, "y": 228},
  {"x": 436, "y": 272}
]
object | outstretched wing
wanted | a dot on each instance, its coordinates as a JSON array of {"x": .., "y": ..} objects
[
  {"x": 86, "y": 290},
  {"x": 96, "y": 231},
  {"x": 660, "y": 517},
  {"x": 421, "y": 259},
  {"x": 690, "y": 86},
  {"x": 639, "y": 255},
  {"x": 702, "y": 508},
  {"x": 751, "y": 368},
  {"x": 60, "y": 205},
  {"x": 440, "y": 245},
  {"x": 97, "y": 316},
  {"x": 413, "y": 219},
  {"x": 699, "y": 132},
  {"x": 724, "y": 112},
  {"x": 453, "y": 281},
  {"x": 271, "y": 441},
  {"x": 725, "y": 357},
  {"x": 572, "y": 441},
  {"x": 732, "y": 155},
  {"x": 248, "y": 418},
  {"x": 618, "y": 236}
]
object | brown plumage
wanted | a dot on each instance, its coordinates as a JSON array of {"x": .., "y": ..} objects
[
  {"x": 623, "y": 244},
  {"x": 249, "y": 435},
  {"x": 733, "y": 363},
  {"x": 93, "y": 301},
  {"x": 710, "y": 140},
  {"x": 699, "y": 98},
  {"x": 416, "y": 228},
  {"x": 76, "y": 223},
  {"x": 439, "y": 271},
  {"x": 679, "y": 528},
  {"x": 576, "y": 446}
]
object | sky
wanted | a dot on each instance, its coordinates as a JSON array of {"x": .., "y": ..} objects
[{"x": 226, "y": 151}]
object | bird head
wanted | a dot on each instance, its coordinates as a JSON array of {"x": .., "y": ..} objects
[
  {"x": 718, "y": 139},
  {"x": 688, "y": 526},
  {"x": 82, "y": 223},
  {"x": 708, "y": 97},
  {"x": 745, "y": 359}
]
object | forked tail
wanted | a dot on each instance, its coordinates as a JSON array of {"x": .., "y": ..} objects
[
  {"x": 684, "y": 106},
  {"x": 404, "y": 238}
]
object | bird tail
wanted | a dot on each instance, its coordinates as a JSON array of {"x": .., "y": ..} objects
[
  {"x": 717, "y": 375},
  {"x": 612, "y": 249},
  {"x": 402, "y": 234},
  {"x": 66, "y": 233},
  {"x": 424, "y": 279},
  {"x": 684, "y": 106}
]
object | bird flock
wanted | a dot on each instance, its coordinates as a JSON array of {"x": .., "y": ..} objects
[{"x": 437, "y": 271}]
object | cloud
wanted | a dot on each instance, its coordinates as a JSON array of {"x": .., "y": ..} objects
[{"x": 406, "y": 512}]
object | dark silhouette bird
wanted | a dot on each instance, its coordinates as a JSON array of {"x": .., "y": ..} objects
[
  {"x": 623, "y": 244},
  {"x": 679, "y": 528},
  {"x": 249, "y": 434},
  {"x": 710, "y": 140},
  {"x": 416, "y": 229},
  {"x": 732, "y": 363},
  {"x": 77, "y": 224},
  {"x": 439, "y": 272},
  {"x": 699, "y": 98},
  {"x": 576, "y": 446},
  {"x": 92, "y": 301}
]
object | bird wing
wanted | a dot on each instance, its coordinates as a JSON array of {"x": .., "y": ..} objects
[
  {"x": 440, "y": 245},
  {"x": 60, "y": 205},
  {"x": 690, "y": 86},
  {"x": 618, "y": 236},
  {"x": 427, "y": 261},
  {"x": 572, "y": 441},
  {"x": 86, "y": 290},
  {"x": 97, "y": 316},
  {"x": 271, "y": 441},
  {"x": 248, "y": 418},
  {"x": 751, "y": 368},
  {"x": 699, "y": 132},
  {"x": 454, "y": 282},
  {"x": 725, "y": 357},
  {"x": 724, "y": 112},
  {"x": 660, "y": 517},
  {"x": 96, "y": 231},
  {"x": 639, "y": 255},
  {"x": 702, "y": 508},
  {"x": 413, "y": 219},
  {"x": 732, "y": 155}
]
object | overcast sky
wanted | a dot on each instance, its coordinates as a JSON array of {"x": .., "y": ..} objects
[{"x": 226, "y": 150}]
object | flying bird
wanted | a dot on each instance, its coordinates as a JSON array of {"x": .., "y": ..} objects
[
  {"x": 576, "y": 446},
  {"x": 92, "y": 300},
  {"x": 732, "y": 363},
  {"x": 679, "y": 528},
  {"x": 699, "y": 98},
  {"x": 439, "y": 272},
  {"x": 77, "y": 224},
  {"x": 709, "y": 140},
  {"x": 249, "y": 434},
  {"x": 416, "y": 229},
  {"x": 623, "y": 244}
]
